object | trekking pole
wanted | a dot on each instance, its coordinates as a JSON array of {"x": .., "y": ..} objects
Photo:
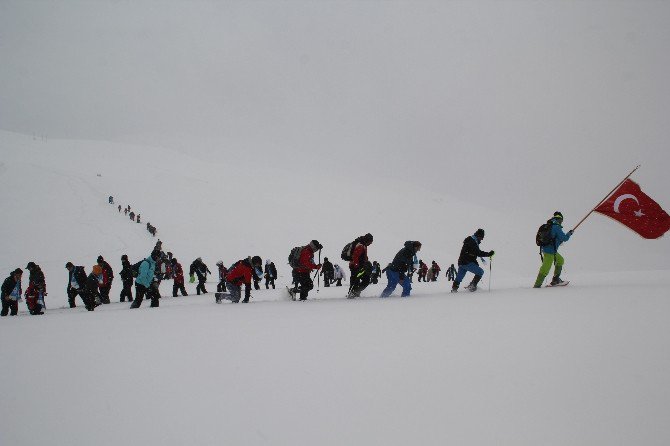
[
  {"x": 318, "y": 278},
  {"x": 490, "y": 271}
]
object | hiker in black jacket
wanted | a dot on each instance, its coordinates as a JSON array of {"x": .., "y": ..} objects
[
  {"x": 327, "y": 271},
  {"x": 127, "y": 279},
  {"x": 76, "y": 280},
  {"x": 200, "y": 269},
  {"x": 397, "y": 271},
  {"x": 270, "y": 274},
  {"x": 11, "y": 293},
  {"x": 467, "y": 261}
]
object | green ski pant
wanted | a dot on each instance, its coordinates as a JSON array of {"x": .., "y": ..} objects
[{"x": 548, "y": 260}]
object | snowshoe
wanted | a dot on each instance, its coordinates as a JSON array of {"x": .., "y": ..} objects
[{"x": 559, "y": 283}]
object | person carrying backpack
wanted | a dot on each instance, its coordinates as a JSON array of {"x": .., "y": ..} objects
[
  {"x": 270, "y": 274},
  {"x": 360, "y": 266},
  {"x": 199, "y": 268},
  {"x": 397, "y": 271},
  {"x": 145, "y": 279},
  {"x": 37, "y": 289},
  {"x": 467, "y": 261},
  {"x": 550, "y": 237},
  {"x": 11, "y": 293},
  {"x": 240, "y": 274},
  {"x": 126, "y": 279},
  {"x": 302, "y": 269}
]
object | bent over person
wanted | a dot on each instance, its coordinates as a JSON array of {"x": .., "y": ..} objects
[{"x": 397, "y": 271}]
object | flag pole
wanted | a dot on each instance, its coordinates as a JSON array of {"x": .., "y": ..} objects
[{"x": 606, "y": 197}]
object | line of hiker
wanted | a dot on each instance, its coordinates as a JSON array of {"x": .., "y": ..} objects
[
  {"x": 147, "y": 274},
  {"x": 137, "y": 218}
]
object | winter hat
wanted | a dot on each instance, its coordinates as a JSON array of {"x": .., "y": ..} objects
[
  {"x": 174, "y": 260},
  {"x": 219, "y": 263},
  {"x": 479, "y": 233},
  {"x": 17, "y": 271},
  {"x": 417, "y": 244},
  {"x": 30, "y": 265},
  {"x": 124, "y": 257},
  {"x": 155, "y": 255},
  {"x": 558, "y": 215},
  {"x": 97, "y": 270},
  {"x": 256, "y": 260},
  {"x": 315, "y": 245},
  {"x": 100, "y": 259},
  {"x": 367, "y": 239},
  {"x": 69, "y": 265}
]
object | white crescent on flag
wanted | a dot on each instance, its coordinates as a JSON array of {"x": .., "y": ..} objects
[{"x": 623, "y": 197}]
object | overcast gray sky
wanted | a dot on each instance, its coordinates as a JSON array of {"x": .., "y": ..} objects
[{"x": 490, "y": 100}]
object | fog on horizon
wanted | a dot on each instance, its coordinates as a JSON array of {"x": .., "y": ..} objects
[{"x": 510, "y": 103}]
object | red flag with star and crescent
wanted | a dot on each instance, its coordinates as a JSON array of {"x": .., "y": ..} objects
[{"x": 632, "y": 207}]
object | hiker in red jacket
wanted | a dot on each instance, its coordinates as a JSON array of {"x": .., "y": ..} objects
[
  {"x": 360, "y": 266},
  {"x": 302, "y": 273},
  {"x": 241, "y": 273},
  {"x": 178, "y": 276}
]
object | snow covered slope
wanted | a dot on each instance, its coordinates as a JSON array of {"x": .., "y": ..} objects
[
  {"x": 55, "y": 201},
  {"x": 581, "y": 365}
]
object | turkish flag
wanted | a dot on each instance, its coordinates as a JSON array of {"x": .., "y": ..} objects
[{"x": 632, "y": 207}]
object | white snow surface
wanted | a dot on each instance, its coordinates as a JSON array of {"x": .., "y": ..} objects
[{"x": 582, "y": 365}]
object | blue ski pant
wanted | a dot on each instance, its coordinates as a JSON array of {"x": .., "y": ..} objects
[
  {"x": 394, "y": 278},
  {"x": 471, "y": 267}
]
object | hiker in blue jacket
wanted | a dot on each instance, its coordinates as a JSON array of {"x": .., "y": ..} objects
[
  {"x": 550, "y": 253},
  {"x": 144, "y": 280}
]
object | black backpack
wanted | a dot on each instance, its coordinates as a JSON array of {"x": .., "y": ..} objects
[
  {"x": 543, "y": 236},
  {"x": 348, "y": 251},
  {"x": 294, "y": 256},
  {"x": 136, "y": 268},
  {"x": 79, "y": 275}
]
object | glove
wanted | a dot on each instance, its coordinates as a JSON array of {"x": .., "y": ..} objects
[
  {"x": 491, "y": 253},
  {"x": 571, "y": 231},
  {"x": 191, "y": 279}
]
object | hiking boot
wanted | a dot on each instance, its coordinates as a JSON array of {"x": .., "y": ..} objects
[{"x": 556, "y": 281}]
